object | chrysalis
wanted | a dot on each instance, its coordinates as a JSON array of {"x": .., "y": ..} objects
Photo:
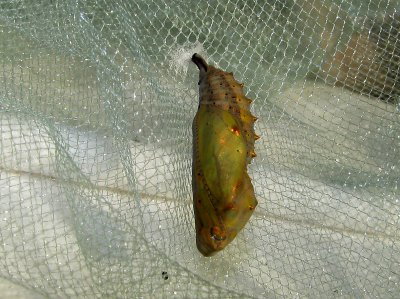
[{"x": 223, "y": 145}]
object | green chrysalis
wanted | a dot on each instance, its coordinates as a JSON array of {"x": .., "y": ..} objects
[{"x": 223, "y": 145}]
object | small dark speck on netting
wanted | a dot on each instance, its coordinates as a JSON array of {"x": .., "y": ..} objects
[{"x": 164, "y": 275}]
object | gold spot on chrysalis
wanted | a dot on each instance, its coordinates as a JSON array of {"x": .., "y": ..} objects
[{"x": 235, "y": 130}]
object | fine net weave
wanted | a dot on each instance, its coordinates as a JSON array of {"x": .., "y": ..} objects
[{"x": 96, "y": 103}]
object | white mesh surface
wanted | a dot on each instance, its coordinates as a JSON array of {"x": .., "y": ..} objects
[{"x": 96, "y": 103}]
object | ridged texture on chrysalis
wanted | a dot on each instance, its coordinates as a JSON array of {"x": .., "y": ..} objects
[{"x": 223, "y": 145}]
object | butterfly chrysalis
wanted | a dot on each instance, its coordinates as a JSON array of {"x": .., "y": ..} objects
[{"x": 223, "y": 145}]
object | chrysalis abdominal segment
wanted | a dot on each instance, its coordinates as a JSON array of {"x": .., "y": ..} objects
[{"x": 223, "y": 145}]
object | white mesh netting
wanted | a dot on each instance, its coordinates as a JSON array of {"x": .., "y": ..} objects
[{"x": 96, "y": 103}]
